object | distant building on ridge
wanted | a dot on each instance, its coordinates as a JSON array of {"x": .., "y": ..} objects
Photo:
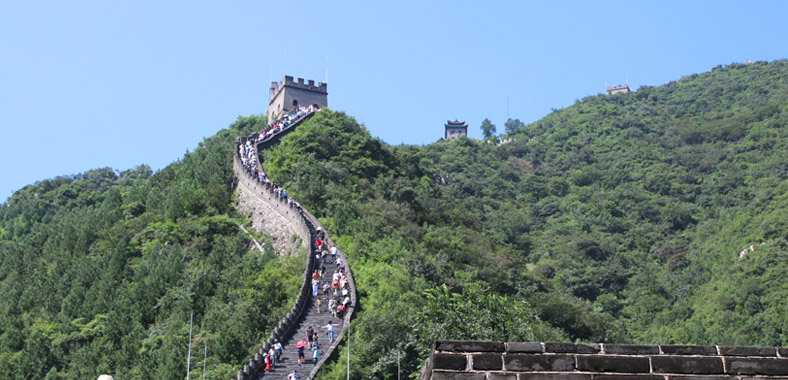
[
  {"x": 288, "y": 94},
  {"x": 620, "y": 89},
  {"x": 455, "y": 129}
]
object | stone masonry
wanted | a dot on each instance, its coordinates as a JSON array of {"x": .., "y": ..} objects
[
  {"x": 268, "y": 216},
  {"x": 474, "y": 360},
  {"x": 290, "y": 93},
  {"x": 286, "y": 221}
]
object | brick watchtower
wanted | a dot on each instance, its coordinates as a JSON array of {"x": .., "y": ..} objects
[
  {"x": 620, "y": 89},
  {"x": 288, "y": 94}
]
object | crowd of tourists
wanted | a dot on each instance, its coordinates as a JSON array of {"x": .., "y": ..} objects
[
  {"x": 335, "y": 293},
  {"x": 247, "y": 152},
  {"x": 249, "y": 158},
  {"x": 285, "y": 121}
]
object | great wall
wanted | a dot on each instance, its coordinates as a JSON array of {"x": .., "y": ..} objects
[
  {"x": 473, "y": 360},
  {"x": 292, "y": 229}
]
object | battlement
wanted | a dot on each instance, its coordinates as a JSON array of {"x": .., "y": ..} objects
[
  {"x": 466, "y": 360},
  {"x": 291, "y": 93},
  {"x": 299, "y": 83}
]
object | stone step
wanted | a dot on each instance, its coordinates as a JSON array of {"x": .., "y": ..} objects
[{"x": 310, "y": 317}]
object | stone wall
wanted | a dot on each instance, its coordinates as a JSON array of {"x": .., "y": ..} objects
[
  {"x": 472, "y": 360},
  {"x": 281, "y": 96},
  {"x": 288, "y": 221},
  {"x": 268, "y": 215}
]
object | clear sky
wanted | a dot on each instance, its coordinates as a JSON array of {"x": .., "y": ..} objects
[{"x": 89, "y": 84}]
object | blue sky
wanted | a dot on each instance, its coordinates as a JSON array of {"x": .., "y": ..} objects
[{"x": 96, "y": 84}]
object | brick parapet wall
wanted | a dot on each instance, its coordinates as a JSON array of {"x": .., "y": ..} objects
[
  {"x": 303, "y": 224},
  {"x": 268, "y": 214},
  {"x": 298, "y": 225},
  {"x": 473, "y": 360}
]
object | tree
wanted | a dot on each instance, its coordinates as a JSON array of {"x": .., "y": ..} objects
[
  {"x": 512, "y": 126},
  {"x": 488, "y": 129}
]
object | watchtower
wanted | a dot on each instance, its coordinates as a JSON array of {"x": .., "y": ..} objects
[
  {"x": 289, "y": 94},
  {"x": 620, "y": 89},
  {"x": 455, "y": 129}
]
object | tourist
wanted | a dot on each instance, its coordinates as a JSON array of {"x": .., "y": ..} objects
[
  {"x": 300, "y": 352},
  {"x": 315, "y": 353},
  {"x": 278, "y": 350},
  {"x": 330, "y": 328},
  {"x": 332, "y": 305}
]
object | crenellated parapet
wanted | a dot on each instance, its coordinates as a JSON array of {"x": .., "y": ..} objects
[
  {"x": 472, "y": 360},
  {"x": 290, "y": 93},
  {"x": 288, "y": 81}
]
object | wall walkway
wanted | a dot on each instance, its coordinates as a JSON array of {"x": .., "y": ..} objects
[{"x": 276, "y": 218}]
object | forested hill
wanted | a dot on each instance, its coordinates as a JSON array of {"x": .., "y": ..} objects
[{"x": 624, "y": 218}]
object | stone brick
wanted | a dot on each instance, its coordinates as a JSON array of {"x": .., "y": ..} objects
[
  {"x": 756, "y": 366},
  {"x": 502, "y": 376},
  {"x": 607, "y": 363},
  {"x": 687, "y": 364},
  {"x": 747, "y": 351},
  {"x": 487, "y": 362},
  {"x": 469, "y": 346},
  {"x": 524, "y": 347},
  {"x": 676, "y": 349},
  {"x": 554, "y": 376},
  {"x": 450, "y": 361},
  {"x": 458, "y": 376},
  {"x": 628, "y": 377},
  {"x": 515, "y": 362},
  {"x": 783, "y": 351},
  {"x": 575, "y": 348},
  {"x": 630, "y": 349}
]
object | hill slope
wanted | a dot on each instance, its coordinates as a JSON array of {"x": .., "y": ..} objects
[
  {"x": 99, "y": 273},
  {"x": 618, "y": 219}
]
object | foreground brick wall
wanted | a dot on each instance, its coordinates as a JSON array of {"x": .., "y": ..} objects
[{"x": 471, "y": 360}]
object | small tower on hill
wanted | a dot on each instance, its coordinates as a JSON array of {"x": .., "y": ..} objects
[
  {"x": 620, "y": 89},
  {"x": 455, "y": 129},
  {"x": 289, "y": 94}
]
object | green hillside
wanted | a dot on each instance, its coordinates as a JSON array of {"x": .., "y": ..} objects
[
  {"x": 99, "y": 272},
  {"x": 619, "y": 219}
]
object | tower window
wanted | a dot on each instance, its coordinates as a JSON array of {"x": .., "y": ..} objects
[{"x": 295, "y": 103}]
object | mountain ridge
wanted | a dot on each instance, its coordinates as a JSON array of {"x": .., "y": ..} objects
[{"x": 618, "y": 219}]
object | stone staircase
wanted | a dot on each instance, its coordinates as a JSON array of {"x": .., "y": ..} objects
[
  {"x": 310, "y": 318},
  {"x": 304, "y": 313}
]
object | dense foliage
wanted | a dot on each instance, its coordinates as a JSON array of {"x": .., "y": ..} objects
[
  {"x": 624, "y": 218},
  {"x": 618, "y": 219},
  {"x": 99, "y": 273}
]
